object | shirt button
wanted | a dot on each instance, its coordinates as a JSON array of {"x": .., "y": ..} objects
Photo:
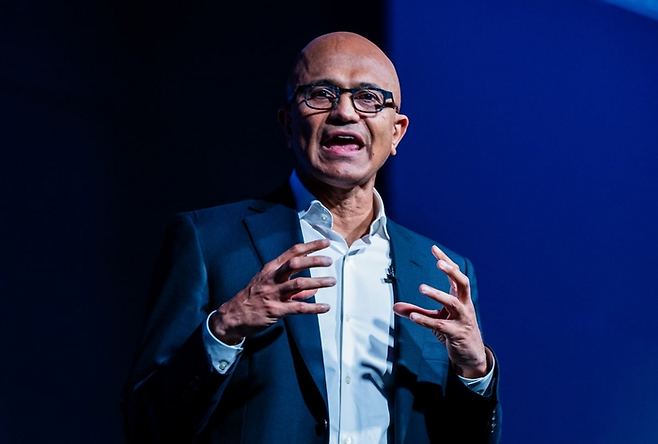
[
  {"x": 222, "y": 365},
  {"x": 324, "y": 217},
  {"x": 347, "y": 440},
  {"x": 348, "y": 318},
  {"x": 348, "y": 379}
]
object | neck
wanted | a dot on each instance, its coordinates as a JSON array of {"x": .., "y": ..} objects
[{"x": 353, "y": 209}]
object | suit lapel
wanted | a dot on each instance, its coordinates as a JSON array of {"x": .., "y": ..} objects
[
  {"x": 407, "y": 351},
  {"x": 413, "y": 265},
  {"x": 274, "y": 229},
  {"x": 410, "y": 272}
]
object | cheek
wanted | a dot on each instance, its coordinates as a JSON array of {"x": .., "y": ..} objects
[
  {"x": 382, "y": 139},
  {"x": 307, "y": 133},
  {"x": 303, "y": 138}
]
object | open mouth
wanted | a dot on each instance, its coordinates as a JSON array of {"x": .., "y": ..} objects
[{"x": 343, "y": 143}]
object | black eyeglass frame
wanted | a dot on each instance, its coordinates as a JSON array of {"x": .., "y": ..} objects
[{"x": 387, "y": 95}]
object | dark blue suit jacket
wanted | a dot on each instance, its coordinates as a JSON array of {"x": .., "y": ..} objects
[{"x": 276, "y": 392}]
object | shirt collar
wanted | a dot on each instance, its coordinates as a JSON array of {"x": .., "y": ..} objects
[{"x": 312, "y": 211}]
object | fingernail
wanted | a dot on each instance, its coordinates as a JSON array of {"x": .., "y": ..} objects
[{"x": 413, "y": 316}]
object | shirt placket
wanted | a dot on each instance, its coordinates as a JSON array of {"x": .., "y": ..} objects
[{"x": 348, "y": 338}]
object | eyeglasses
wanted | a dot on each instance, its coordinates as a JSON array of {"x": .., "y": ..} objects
[{"x": 364, "y": 99}]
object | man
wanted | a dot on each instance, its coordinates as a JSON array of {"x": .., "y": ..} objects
[{"x": 272, "y": 320}]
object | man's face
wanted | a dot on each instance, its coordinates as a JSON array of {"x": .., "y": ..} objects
[{"x": 342, "y": 147}]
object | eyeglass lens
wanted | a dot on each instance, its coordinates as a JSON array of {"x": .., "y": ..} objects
[{"x": 326, "y": 97}]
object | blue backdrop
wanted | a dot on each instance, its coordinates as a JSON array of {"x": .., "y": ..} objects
[{"x": 532, "y": 149}]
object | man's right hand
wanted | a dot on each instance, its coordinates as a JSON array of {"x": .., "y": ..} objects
[{"x": 271, "y": 294}]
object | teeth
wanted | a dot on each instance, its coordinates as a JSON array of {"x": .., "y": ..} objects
[{"x": 343, "y": 139}]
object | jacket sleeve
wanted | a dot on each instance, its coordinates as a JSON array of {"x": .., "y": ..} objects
[
  {"x": 432, "y": 403},
  {"x": 173, "y": 388},
  {"x": 474, "y": 418}
]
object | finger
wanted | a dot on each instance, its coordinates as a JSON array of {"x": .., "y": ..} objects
[
  {"x": 460, "y": 284},
  {"x": 442, "y": 257},
  {"x": 297, "y": 250},
  {"x": 405, "y": 309},
  {"x": 297, "y": 264},
  {"x": 303, "y": 287},
  {"x": 462, "y": 339},
  {"x": 438, "y": 325},
  {"x": 304, "y": 294},
  {"x": 434, "y": 321},
  {"x": 439, "y": 254},
  {"x": 446, "y": 327},
  {"x": 280, "y": 309},
  {"x": 307, "y": 308},
  {"x": 450, "y": 303}
]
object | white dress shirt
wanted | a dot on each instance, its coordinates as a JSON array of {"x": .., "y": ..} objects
[{"x": 357, "y": 332}]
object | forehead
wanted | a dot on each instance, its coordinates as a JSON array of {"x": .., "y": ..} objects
[
  {"x": 345, "y": 62},
  {"x": 345, "y": 71}
]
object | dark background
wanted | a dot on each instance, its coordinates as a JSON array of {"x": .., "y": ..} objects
[
  {"x": 116, "y": 115},
  {"x": 532, "y": 149}
]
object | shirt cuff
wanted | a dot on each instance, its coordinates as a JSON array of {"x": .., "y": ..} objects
[
  {"x": 222, "y": 356},
  {"x": 480, "y": 385}
]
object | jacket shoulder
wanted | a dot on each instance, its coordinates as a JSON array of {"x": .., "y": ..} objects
[
  {"x": 402, "y": 236},
  {"x": 203, "y": 216}
]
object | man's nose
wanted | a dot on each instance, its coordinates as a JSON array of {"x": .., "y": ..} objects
[{"x": 345, "y": 108}]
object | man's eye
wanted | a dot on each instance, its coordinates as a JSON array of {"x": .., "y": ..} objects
[
  {"x": 367, "y": 95},
  {"x": 322, "y": 92}
]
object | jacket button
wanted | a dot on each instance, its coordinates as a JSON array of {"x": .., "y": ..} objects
[{"x": 322, "y": 427}]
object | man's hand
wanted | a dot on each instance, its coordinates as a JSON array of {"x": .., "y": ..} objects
[
  {"x": 455, "y": 324},
  {"x": 271, "y": 294}
]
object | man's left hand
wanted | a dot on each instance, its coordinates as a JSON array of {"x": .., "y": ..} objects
[{"x": 455, "y": 325}]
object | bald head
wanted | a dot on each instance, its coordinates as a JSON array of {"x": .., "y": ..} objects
[{"x": 358, "y": 57}]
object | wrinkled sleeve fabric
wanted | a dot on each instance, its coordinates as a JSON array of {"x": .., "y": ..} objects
[
  {"x": 480, "y": 385},
  {"x": 222, "y": 356}
]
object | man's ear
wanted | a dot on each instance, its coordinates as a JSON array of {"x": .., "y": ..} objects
[
  {"x": 284, "y": 119},
  {"x": 399, "y": 129}
]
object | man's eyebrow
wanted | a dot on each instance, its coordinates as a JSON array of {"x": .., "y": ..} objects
[
  {"x": 334, "y": 83},
  {"x": 369, "y": 85}
]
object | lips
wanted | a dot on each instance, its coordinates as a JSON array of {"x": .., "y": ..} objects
[{"x": 343, "y": 142}]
